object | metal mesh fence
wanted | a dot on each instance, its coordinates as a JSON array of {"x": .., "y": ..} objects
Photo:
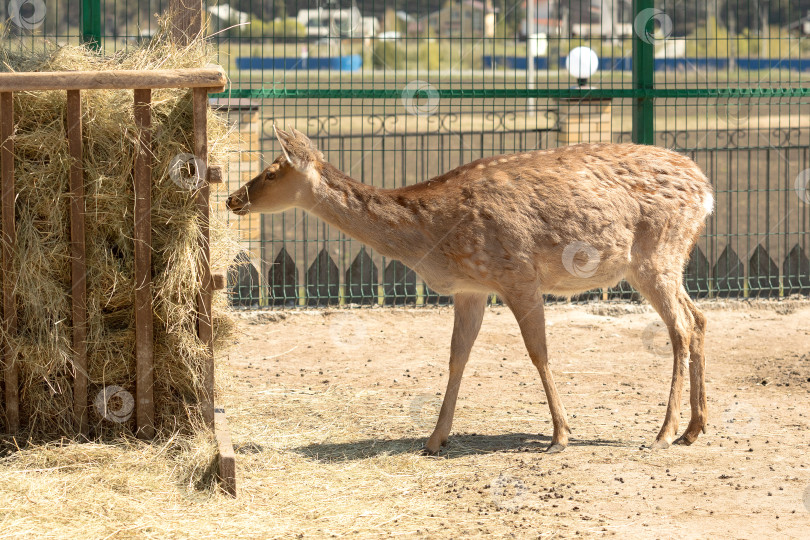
[{"x": 397, "y": 92}]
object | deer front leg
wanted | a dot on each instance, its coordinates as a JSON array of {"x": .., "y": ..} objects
[
  {"x": 469, "y": 312},
  {"x": 528, "y": 310}
]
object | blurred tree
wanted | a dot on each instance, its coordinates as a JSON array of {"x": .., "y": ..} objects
[
  {"x": 750, "y": 15},
  {"x": 510, "y": 15},
  {"x": 686, "y": 15}
]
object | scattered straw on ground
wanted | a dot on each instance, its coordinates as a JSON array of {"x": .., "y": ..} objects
[{"x": 328, "y": 411}]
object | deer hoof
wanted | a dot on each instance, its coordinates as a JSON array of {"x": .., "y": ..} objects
[
  {"x": 660, "y": 444},
  {"x": 555, "y": 448},
  {"x": 689, "y": 436},
  {"x": 428, "y": 452},
  {"x": 683, "y": 441}
]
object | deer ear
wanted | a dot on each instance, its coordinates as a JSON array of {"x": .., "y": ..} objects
[
  {"x": 283, "y": 141},
  {"x": 299, "y": 135},
  {"x": 297, "y": 148},
  {"x": 305, "y": 142}
]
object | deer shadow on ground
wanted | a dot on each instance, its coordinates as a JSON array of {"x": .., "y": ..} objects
[{"x": 459, "y": 446}]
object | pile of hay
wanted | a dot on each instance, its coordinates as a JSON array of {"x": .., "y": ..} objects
[{"x": 42, "y": 264}]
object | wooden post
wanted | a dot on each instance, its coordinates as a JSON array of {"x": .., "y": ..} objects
[
  {"x": 204, "y": 323},
  {"x": 186, "y": 17},
  {"x": 78, "y": 268},
  {"x": 187, "y": 22},
  {"x": 9, "y": 236},
  {"x": 144, "y": 339},
  {"x": 227, "y": 457}
]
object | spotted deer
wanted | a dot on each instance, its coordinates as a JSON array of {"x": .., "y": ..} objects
[{"x": 560, "y": 221}]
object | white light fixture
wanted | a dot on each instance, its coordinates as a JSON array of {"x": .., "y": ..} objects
[{"x": 581, "y": 63}]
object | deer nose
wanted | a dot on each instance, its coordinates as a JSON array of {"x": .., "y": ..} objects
[{"x": 228, "y": 202}]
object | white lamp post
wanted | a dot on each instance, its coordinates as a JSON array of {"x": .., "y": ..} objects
[
  {"x": 582, "y": 63},
  {"x": 583, "y": 118}
]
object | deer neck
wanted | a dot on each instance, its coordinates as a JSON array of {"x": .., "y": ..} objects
[{"x": 366, "y": 213}]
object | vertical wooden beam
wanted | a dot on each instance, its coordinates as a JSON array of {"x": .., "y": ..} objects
[
  {"x": 204, "y": 323},
  {"x": 9, "y": 237},
  {"x": 78, "y": 268},
  {"x": 186, "y": 17},
  {"x": 227, "y": 456},
  {"x": 144, "y": 342}
]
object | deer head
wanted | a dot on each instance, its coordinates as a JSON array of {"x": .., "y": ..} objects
[{"x": 288, "y": 182}]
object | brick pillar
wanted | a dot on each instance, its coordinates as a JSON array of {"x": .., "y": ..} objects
[
  {"x": 584, "y": 120},
  {"x": 244, "y": 115}
]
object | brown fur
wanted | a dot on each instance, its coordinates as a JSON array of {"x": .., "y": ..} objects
[{"x": 506, "y": 224}]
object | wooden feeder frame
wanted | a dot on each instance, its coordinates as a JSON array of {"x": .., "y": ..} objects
[{"x": 201, "y": 81}]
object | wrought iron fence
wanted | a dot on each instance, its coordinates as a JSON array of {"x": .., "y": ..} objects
[
  {"x": 755, "y": 245},
  {"x": 396, "y": 92}
]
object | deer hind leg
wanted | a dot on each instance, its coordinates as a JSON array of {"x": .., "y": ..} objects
[
  {"x": 697, "y": 383},
  {"x": 528, "y": 310},
  {"x": 662, "y": 288},
  {"x": 469, "y": 312}
]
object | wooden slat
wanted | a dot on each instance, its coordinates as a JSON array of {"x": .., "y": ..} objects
[
  {"x": 213, "y": 175},
  {"x": 78, "y": 268},
  {"x": 210, "y": 77},
  {"x": 204, "y": 323},
  {"x": 186, "y": 17},
  {"x": 220, "y": 281},
  {"x": 144, "y": 344},
  {"x": 9, "y": 236},
  {"x": 227, "y": 457}
]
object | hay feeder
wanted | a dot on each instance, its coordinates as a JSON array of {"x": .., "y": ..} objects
[{"x": 200, "y": 81}]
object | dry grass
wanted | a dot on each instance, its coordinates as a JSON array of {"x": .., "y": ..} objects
[
  {"x": 327, "y": 441},
  {"x": 42, "y": 260}
]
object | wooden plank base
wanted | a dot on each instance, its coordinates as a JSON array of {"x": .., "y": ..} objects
[{"x": 227, "y": 457}]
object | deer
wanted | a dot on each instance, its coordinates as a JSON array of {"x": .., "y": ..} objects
[{"x": 558, "y": 221}]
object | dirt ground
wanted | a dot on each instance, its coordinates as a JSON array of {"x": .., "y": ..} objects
[
  {"x": 342, "y": 401},
  {"x": 328, "y": 412}
]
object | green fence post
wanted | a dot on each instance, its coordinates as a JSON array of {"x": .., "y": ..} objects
[
  {"x": 91, "y": 23},
  {"x": 643, "y": 72}
]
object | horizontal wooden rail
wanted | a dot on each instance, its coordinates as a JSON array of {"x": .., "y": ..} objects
[{"x": 213, "y": 78}]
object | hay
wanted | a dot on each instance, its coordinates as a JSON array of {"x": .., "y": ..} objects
[{"x": 42, "y": 262}]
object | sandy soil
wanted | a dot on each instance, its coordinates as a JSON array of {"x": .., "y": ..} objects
[{"x": 329, "y": 410}]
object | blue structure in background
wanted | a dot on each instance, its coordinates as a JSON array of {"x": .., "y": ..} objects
[
  {"x": 625, "y": 63},
  {"x": 354, "y": 62},
  {"x": 351, "y": 62},
  {"x": 795, "y": 64},
  {"x": 513, "y": 62}
]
